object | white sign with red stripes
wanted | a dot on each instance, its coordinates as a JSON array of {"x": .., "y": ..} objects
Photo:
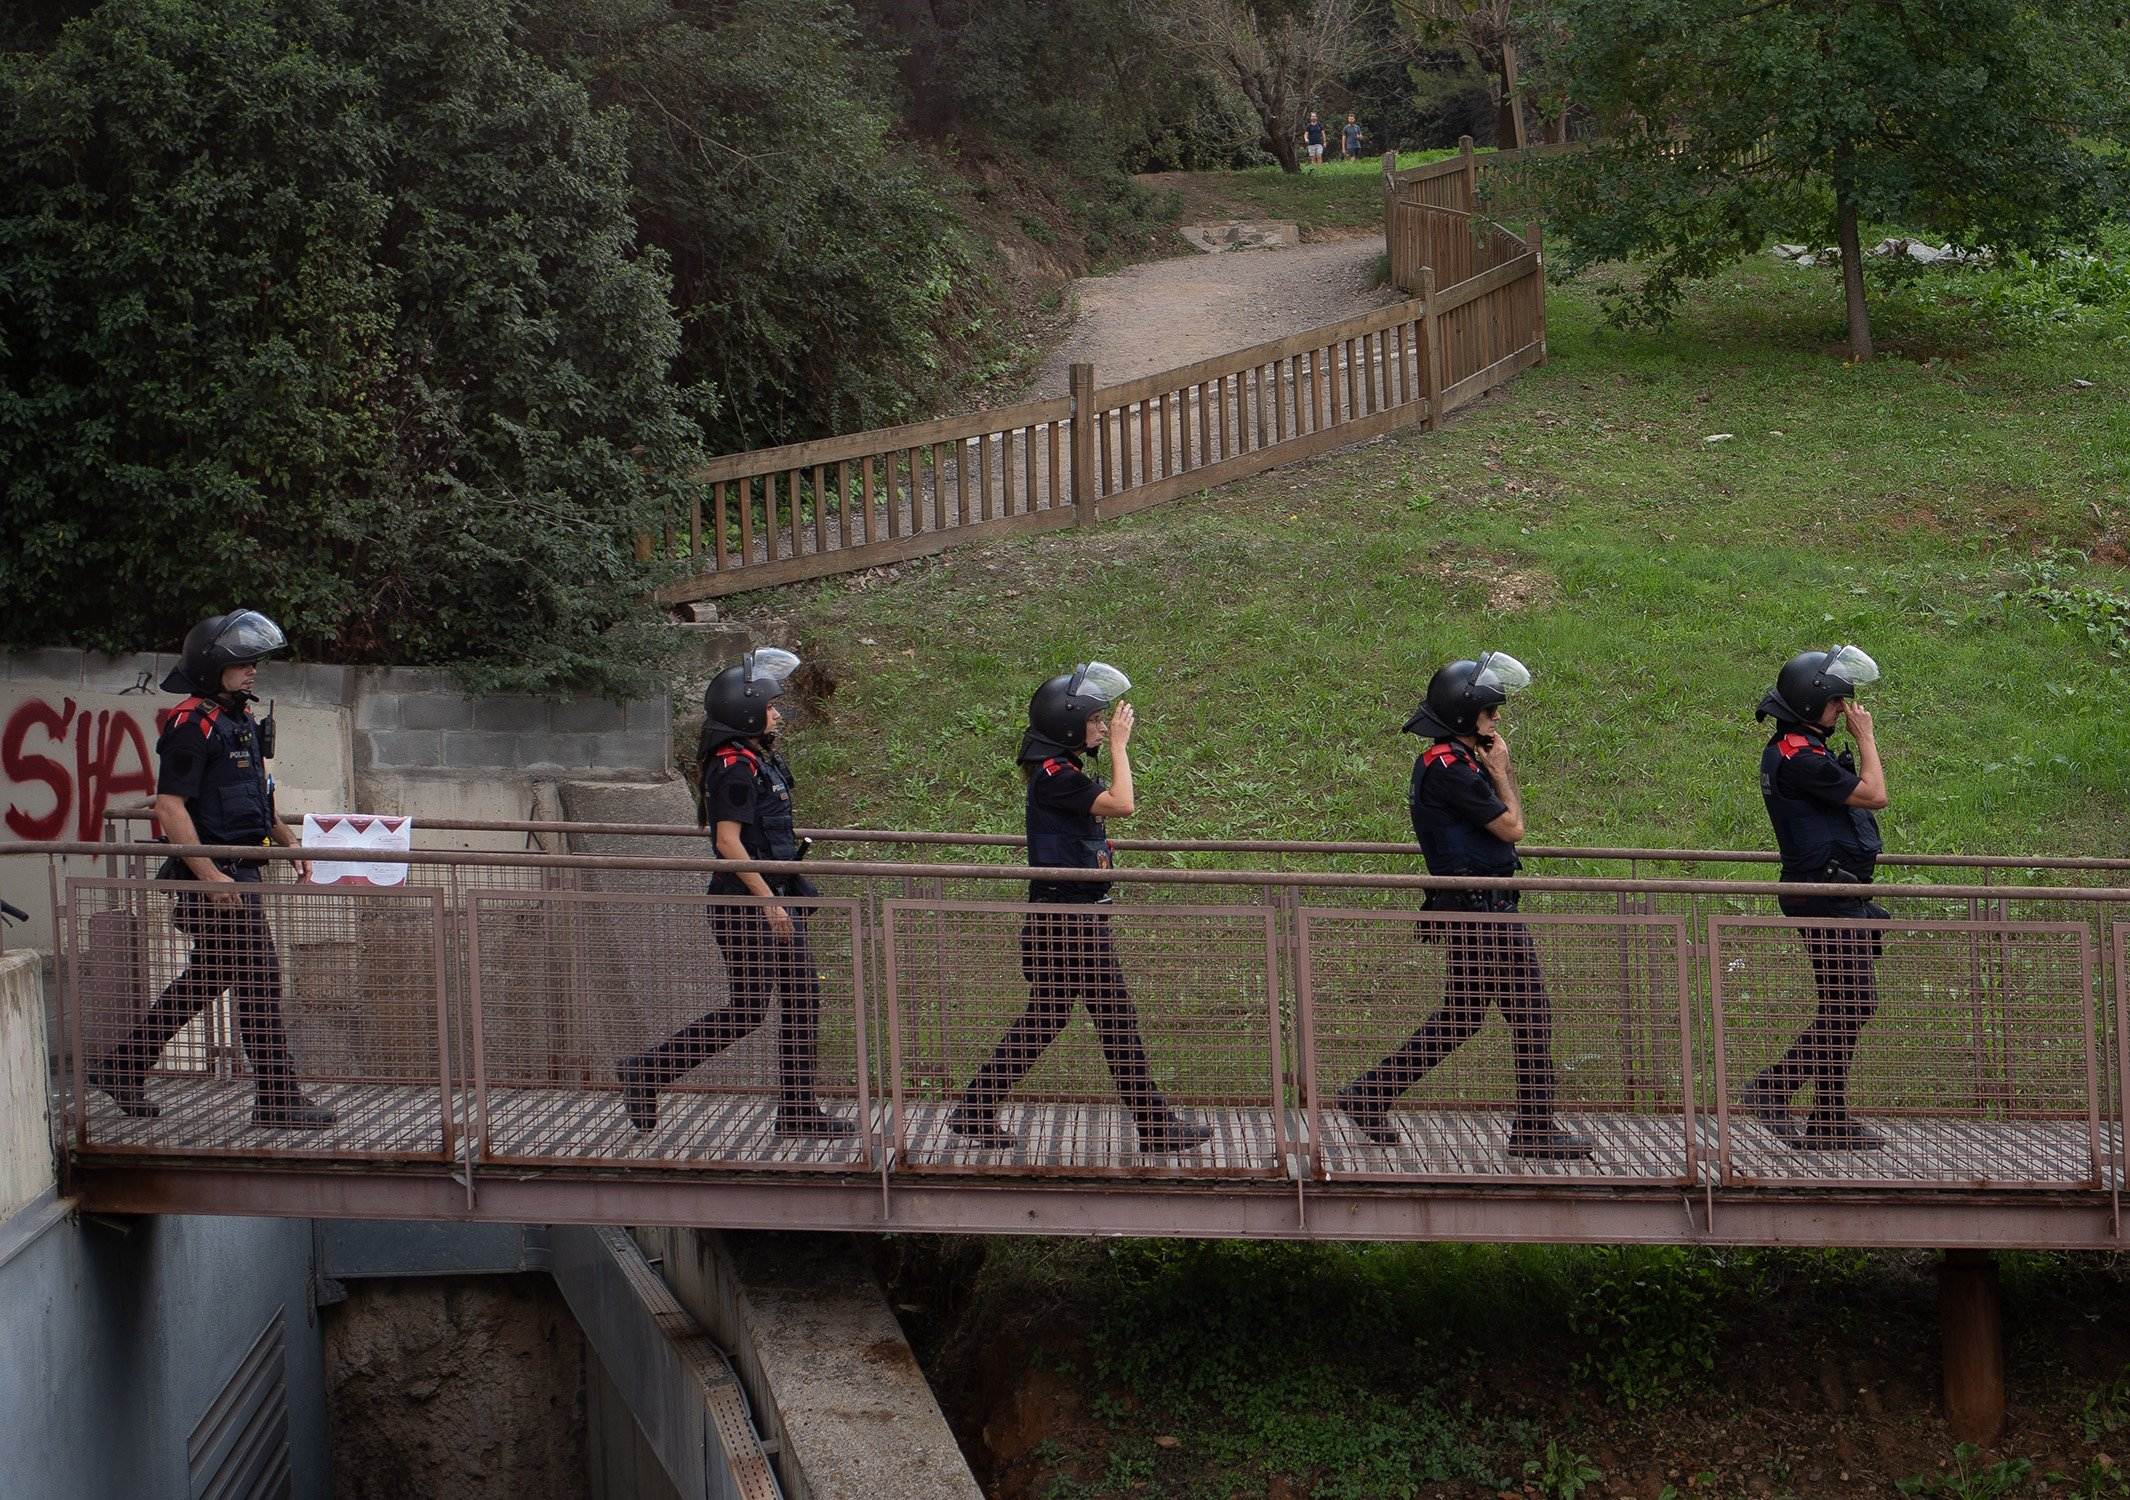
[{"x": 324, "y": 831}]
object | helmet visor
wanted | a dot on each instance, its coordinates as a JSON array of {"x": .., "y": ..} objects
[
  {"x": 773, "y": 663},
  {"x": 249, "y": 637},
  {"x": 1498, "y": 669},
  {"x": 1852, "y": 666},
  {"x": 1098, "y": 679}
]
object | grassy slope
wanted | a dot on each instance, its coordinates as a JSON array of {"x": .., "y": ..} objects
[
  {"x": 1339, "y": 195},
  {"x": 1279, "y": 630}
]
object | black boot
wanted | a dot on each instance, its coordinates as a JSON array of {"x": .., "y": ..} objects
[
  {"x": 1167, "y": 1132},
  {"x": 1370, "y": 1118},
  {"x": 128, "y": 1091},
  {"x": 1832, "y": 1132},
  {"x": 980, "y": 1127},
  {"x": 812, "y": 1122},
  {"x": 1767, "y": 1101},
  {"x": 639, "y": 1096},
  {"x": 1543, "y": 1138},
  {"x": 289, "y": 1110}
]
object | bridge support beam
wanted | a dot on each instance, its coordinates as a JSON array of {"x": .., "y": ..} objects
[{"x": 1971, "y": 1325}]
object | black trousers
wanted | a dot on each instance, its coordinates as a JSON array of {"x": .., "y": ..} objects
[
  {"x": 1067, "y": 956},
  {"x": 232, "y": 949},
  {"x": 761, "y": 968},
  {"x": 1845, "y": 975},
  {"x": 1487, "y": 963}
]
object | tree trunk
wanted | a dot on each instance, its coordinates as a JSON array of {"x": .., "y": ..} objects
[
  {"x": 1851, "y": 243},
  {"x": 1281, "y": 144}
]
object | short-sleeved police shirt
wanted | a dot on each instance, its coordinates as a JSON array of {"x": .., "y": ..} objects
[
  {"x": 1461, "y": 790},
  {"x": 1062, "y": 796},
  {"x": 1813, "y": 774}
]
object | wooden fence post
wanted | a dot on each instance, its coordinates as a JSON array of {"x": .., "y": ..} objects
[
  {"x": 1083, "y": 445},
  {"x": 1431, "y": 370},
  {"x": 1535, "y": 237},
  {"x": 1471, "y": 174},
  {"x": 1390, "y": 215}
]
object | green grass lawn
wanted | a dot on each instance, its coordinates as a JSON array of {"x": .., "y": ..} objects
[
  {"x": 1336, "y": 195},
  {"x": 1280, "y": 630}
]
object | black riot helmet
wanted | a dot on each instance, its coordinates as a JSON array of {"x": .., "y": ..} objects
[
  {"x": 738, "y": 698},
  {"x": 1061, "y": 707},
  {"x": 1457, "y": 693},
  {"x": 236, "y": 639},
  {"x": 1811, "y": 680}
]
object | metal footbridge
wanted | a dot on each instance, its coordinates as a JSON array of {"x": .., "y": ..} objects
[{"x": 464, "y": 1028}]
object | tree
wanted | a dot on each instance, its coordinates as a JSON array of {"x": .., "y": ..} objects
[
  {"x": 1990, "y": 122},
  {"x": 334, "y": 310},
  {"x": 1278, "y": 53}
]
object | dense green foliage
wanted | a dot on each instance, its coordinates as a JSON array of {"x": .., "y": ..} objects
[
  {"x": 334, "y": 311},
  {"x": 817, "y": 264},
  {"x": 1971, "y": 119}
]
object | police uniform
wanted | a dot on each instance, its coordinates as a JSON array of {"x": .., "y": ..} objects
[
  {"x": 1824, "y": 841},
  {"x": 1452, "y": 799},
  {"x": 214, "y": 757},
  {"x": 1070, "y": 953},
  {"x": 747, "y": 784}
]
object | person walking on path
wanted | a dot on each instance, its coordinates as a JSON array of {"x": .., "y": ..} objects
[
  {"x": 1467, "y": 813},
  {"x": 1821, "y": 805},
  {"x": 1069, "y": 952},
  {"x": 211, "y": 787},
  {"x": 746, "y": 803},
  {"x": 1350, "y": 139},
  {"x": 1313, "y": 139}
]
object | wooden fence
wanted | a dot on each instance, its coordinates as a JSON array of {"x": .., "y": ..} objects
[{"x": 1476, "y": 316}]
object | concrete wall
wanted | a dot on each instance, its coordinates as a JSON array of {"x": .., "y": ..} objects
[
  {"x": 823, "y": 1360},
  {"x": 26, "y": 1165},
  {"x": 118, "y": 1336},
  {"x": 78, "y": 732}
]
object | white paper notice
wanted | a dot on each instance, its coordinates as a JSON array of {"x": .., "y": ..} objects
[{"x": 325, "y": 831}]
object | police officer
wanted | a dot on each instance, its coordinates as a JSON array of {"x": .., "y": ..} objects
[
  {"x": 1069, "y": 951},
  {"x": 211, "y": 787},
  {"x": 1821, "y": 804},
  {"x": 1468, "y": 813},
  {"x": 745, "y": 800}
]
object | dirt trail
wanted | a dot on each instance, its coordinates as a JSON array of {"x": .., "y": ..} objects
[{"x": 1170, "y": 312}]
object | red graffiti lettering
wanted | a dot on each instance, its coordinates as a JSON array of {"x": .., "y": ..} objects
[{"x": 111, "y": 760}]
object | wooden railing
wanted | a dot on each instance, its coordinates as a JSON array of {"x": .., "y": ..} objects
[{"x": 1474, "y": 318}]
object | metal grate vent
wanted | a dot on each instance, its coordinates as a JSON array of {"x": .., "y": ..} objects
[{"x": 239, "y": 1450}]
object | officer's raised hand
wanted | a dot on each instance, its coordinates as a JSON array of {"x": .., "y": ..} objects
[
  {"x": 1857, "y": 718},
  {"x": 1493, "y": 744},
  {"x": 1121, "y": 719}
]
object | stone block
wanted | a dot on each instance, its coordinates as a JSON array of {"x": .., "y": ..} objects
[
  {"x": 411, "y": 748},
  {"x": 629, "y": 752},
  {"x": 437, "y": 711},
  {"x": 313, "y": 681},
  {"x": 61, "y": 665},
  {"x": 514, "y": 714},
  {"x": 118, "y": 674},
  {"x": 480, "y": 749},
  {"x": 587, "y": 716},
  {"x": 653, "y": 714},
  {"x": 377, "y": 711},
  {"x": 400, "y": 680}
]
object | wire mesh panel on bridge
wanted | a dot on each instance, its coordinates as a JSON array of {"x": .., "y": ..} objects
[
  {"x": 1899, "y": 1052},
  {"x": 1086, "y": 1034},
  {"x": 207, "y": 1018},
  {"x": 667, "y": 1030},
  {"x": 1410, "y": 1078}
]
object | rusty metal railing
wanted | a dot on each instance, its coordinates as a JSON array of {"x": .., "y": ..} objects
[{"x": 493, "y": 1014}]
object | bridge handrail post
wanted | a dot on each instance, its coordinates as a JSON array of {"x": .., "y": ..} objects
[{"x": 1083, "y": 445}]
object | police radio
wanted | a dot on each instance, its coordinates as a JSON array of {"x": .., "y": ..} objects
[{"x": 266, "y": 732}]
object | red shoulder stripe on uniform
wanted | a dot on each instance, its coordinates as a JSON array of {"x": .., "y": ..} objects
[
  {"x": 1056, "y": 767},
  {"x": 1793, "y": 744},
  {"x": 1443, "y": 754},
  {"x": 208, "y": 711}
]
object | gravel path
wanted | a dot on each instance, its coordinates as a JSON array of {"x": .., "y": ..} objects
[{"x": 1171, "y": 312}]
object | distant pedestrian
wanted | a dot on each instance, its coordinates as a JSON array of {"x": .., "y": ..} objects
[
  {"x": 1350, "y": 139},
  {"x": 1313, "y": 139}
]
